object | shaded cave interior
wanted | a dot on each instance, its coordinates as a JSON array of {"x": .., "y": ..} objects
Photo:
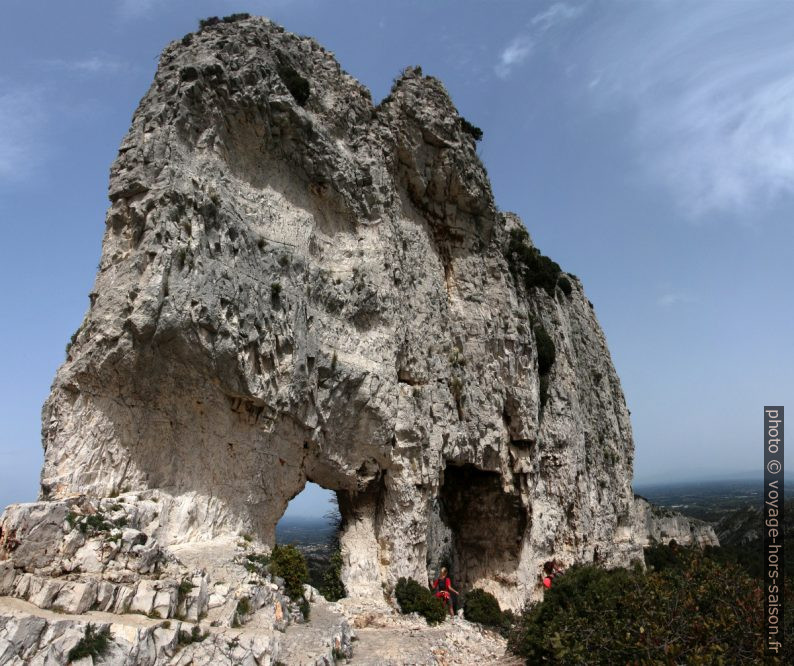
[{"x": 477, "y": 529}]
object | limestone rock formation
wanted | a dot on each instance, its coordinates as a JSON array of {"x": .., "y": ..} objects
[
  {"x": 313, "y": 287},
  {"x": 299, "y": 285},
  {"x": 653, "y": 524},
  {"x": 70, "y": 563}
]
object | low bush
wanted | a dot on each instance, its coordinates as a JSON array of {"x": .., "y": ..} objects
[
  {"x": 690, "y": 610},
  {"x": 214, "y": 20},
  {"x": 565, "y": 284},
  {"x": 288, "y": 563},
  {"x": 547, "y": 353},
  {"x": 297, "y": 85},
  {"x": 482, "y": 607},
  {"x": 305, "y": 609},
  {"x": 260, "y": 559},
  {"x": 207, "y": 22},
  {"x": 93, "y": 644},
  {"x": 332, "y": 587},
  {"x": 93, "y": 523},
  {"x": 193, "y": 636},
  {"x": 240, "y": 16},
  {"x": 243, "y": 606},
  {"x": 185, "y": 586},
  {"x": 414, "y": 598},
  {"x": 529, "y": 265},
  {"x": 470, "y": 129}
]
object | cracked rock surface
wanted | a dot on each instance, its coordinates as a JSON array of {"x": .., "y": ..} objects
[
  {"x": 323, "y": 292},
  {"x": 312, "y": 287}
]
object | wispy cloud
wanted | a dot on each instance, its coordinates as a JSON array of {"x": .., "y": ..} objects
[
  {"x": 712, "y": 98},
  {"x": 21, "y": 119},
  {"x": 134, "y": 9},
  {"x": 559, "y": 12},
  {"x": 521, "y": 46},
  {"x": 514, "y": 53},
  {"x": 674, "y": 298},
  {"x": 88, "y": 66}
]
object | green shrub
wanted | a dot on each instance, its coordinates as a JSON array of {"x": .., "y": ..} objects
[
  {"x": 262, "y": 559},
  {"x": 529, "y": 265},
  {"x": 473, "y": 130},
  {"x": 332, "y": 587},
  {"x": 243, "y": 606},
  {"x": 288, "y": 563},
  {"x": 93, "y": 644},
  {"x": 565, "y": 284},
  {"x": 481, "y": 606},
  {"x": 305, "y": 609},
  {"x": 207, "y": 22},
  {"x": 194, "y": 636},
  {"x": 692, "y": 610},
  {"x": 71, "y": 342},
  {"x": 275, "y": 291},
  {"x": 240, "y": 16},
  {"x": 413, "y": 598},
  {"x": 546, "y": 350},
  {"x": 298, "y": 86},
  {"x": 183, "y": 590},
  {"x": 92, "y": 523},
  {"x": 256, "y": 563}
]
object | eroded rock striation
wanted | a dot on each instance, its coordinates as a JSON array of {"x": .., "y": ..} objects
[
  {"x": 313, "y": 287},
  {"x": 297, "y": 284}
]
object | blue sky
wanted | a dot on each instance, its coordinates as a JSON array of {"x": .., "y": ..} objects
[{"x": 648, "y": 146}]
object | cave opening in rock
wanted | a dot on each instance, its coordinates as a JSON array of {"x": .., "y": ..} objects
[
  {"x": 312, "y": 523},
  {"x": 480, "y": 529}
]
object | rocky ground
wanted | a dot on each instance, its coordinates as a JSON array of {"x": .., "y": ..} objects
[
  {"x": 66, "y": 564},
  {"x": 31, "y": 635},
  {"x": 69, "y": 564},
  {"x": 385, "y": 638}
]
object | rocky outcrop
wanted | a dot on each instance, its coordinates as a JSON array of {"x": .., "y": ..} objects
[
  {"x": 28, "y": 638},
  {"x": 297, "y": 284},
  {"x": 65, "y": 564},
  {"x": 655, "y": 525}
]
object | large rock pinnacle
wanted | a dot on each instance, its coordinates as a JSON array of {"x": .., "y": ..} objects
[{"x": 315, "y": 288}]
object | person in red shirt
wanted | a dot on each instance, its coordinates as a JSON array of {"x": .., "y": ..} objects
[
  {"x": 443, "y": 586},
  {"x": 551, "y": 570}
]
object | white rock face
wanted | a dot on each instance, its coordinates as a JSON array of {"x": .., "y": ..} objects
[
  {"x": 653, "y": 524},
  {"x": 324, "y": 292},
  {"x": 158, "y": 610},
  {"x": 299, "y": 288}
]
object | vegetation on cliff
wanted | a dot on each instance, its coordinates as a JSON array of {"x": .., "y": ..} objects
[
  {"x": 414, "y": 598},
  {"x": 686, "y": 608}
]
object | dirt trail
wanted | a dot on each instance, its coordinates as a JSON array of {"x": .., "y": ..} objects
[{"x": 386, "y": 638}]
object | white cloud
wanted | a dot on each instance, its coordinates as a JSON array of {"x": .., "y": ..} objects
[
  {"x": 521, "y": 46},
  {"x": 712, "y": 98},
  {"x": 21, "y": 119},
  {"x": 92, "y": 65},
  {"x": 514, "y": 53},
  {"x": 674, "y": 298},
  {"x": 557, "y": 13},
  {"x": 134, "y": 9}
]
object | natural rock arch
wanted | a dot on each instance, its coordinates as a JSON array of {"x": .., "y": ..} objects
[{"x": 324, "y": 291}]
